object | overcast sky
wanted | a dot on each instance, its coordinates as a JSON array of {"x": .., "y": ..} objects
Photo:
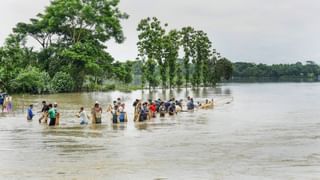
[{"x": 266, "y": 31}]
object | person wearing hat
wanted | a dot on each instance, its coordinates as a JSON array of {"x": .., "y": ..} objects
[
  {"x": 96, "y": 113},
  {"x": 30, "y": 113}
]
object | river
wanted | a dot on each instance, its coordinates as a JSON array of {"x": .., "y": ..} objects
[{"x": 256, "y": 131}]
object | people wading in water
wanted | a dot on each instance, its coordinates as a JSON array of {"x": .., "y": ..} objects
[
  {"x": 55, "y": 106},
  {"x": 30, "y": 113},
  {"x": 83, "y": 116},
  {"x": 96, "y": 113},
  {"x": 44, "y": 112},
  {"x": 52, "y": 115}
]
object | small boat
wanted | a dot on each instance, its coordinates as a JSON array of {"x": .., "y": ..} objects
[{"x": 208, "y": 105}]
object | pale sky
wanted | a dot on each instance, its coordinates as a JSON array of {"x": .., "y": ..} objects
[{"x": 263, "y": 31}]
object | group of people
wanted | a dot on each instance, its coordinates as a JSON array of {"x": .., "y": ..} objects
[
  {"x": 147, "y": 110},
  {"x": 143, "y": 111},
  {"x": 5, "y": 103},
  {"x": 117, "y": 110},
  {"x": 48, "y": 111}
]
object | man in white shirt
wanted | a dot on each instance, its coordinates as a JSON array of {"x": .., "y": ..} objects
[{"x": 83, "y": 116}]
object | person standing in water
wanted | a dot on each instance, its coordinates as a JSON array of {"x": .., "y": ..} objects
[
  {"x": 96, "y": 113},
  {"x": 44, "y": 112},
  {"x": 153, "y": 110},
  {"x": 162, "y": 110},
  {"x": 55, "y": 106},
  {"x": 122, "y": 114},
  {"x": 5, "y": 104},
  {"x": 114, "y": 113},
  {"x": 144, "y": 112},
  {"x": 83, "y": 116},
  {"x": 52, "y": 115},
  {"x": 1, "y": 101},
  {"x": 30, "y": 113},
  {"x": 9, "y": 106}
]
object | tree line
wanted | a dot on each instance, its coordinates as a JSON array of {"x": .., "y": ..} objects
[
  {"x": 308, "y": 70},
  {"x": 173, "y": 58}
]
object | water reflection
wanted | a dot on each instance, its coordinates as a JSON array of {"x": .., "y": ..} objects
[
  {"x": 119, "y": 126},
  {"x": 141, "y": 126}
]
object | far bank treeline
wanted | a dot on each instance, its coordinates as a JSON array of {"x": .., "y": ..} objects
[
  {"x": 308, "y": 71},
  {"x": 72, "y": 53}
]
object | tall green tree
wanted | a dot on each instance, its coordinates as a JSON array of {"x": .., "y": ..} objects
[
  {"x": 73, "y": 21},
  {"x": 73, "y": 33},
  {"x": 86, "y": 59},
  {"x": 187, "y": 41},
  {"x": 150, "y": 44},
  {"x": 179, "y": 75},
  {"x": 202, "y": 48},
  {"x": 14, "y": 57},
  {"x": 149, "y": 73},
  {"x": 171, "y": 53},
  {"x": 123, "y": 72},
  {"x": 224, "y": 69}
]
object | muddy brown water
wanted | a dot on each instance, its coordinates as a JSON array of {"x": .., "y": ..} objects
[{"x": 256, "y": 131}]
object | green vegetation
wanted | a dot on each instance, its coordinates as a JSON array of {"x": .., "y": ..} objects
[
  {"x": 159, "y": 53},
  {"x": 71, "y": 53},
  {"x": 309, "y": 70},
  {"x": 71, "y": 36}
]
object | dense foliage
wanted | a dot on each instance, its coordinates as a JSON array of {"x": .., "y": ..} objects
[
  {"x": 159, "y": 50},
  {"x": 62, "y": 82},
  {"x": 276, "y": 71},
  {"x": 71, "y": 36}
]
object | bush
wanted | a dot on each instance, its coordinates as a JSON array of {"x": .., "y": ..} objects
[
  {"x": 29, "y": 80},
  {"x": 109, "y": 87},
  {"x": 46, "y": 88},
  {"x": 62, "y": 82}
]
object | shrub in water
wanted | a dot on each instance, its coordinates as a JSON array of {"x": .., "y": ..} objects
[{"x": 62, "y": 82}]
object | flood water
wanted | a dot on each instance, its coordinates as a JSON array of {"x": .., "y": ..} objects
[{"x": 256, "y": 131}]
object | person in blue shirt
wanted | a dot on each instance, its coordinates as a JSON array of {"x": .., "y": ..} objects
[
  {"x": 1, "y": 102},
  {"x": 30, "y": 113}
]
